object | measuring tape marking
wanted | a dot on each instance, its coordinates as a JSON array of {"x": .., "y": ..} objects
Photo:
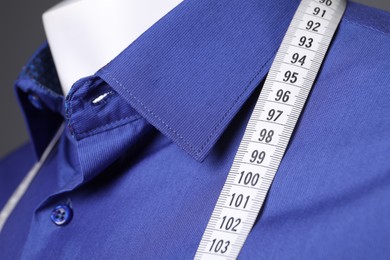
[{"x": 270, "y": 127}]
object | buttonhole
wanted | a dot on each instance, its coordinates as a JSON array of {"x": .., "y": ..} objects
[{"x": 102, "y": 98}]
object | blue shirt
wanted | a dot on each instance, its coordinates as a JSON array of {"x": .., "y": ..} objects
[{"x": 141, "y": 169}]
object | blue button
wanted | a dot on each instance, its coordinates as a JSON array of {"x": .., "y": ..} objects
[
  {"x": 61, "y": 215},
  {"x": 35, "y": 101}
]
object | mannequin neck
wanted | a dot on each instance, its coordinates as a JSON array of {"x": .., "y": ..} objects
[{"x": 84, "y": 35}]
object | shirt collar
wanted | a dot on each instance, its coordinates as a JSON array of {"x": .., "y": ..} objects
[{"x": 190, "y": 73}]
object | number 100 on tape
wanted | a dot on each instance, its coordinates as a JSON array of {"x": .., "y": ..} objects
[{"x": 269, "y": 129}]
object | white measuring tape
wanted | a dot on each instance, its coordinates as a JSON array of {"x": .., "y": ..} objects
[{"x": 268, "y": 132}]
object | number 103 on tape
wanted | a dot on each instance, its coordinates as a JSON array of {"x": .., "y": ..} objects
[{"x": 269, "y": 129}]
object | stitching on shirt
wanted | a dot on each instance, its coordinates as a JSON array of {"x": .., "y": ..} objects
[
  {"x": 41, "y": 87},
  {"x": 111, "y": 125},
  {"x": 80, "y": 135},
  {"x": 231, "y": 107},
  {"x": 197, "y": 152},
  {"x": 366, "y": 26},
  {"x": 150, "y": 111},
  {"x": 69, "y": 107}
]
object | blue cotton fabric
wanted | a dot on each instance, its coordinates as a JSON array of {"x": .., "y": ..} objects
[{"x": 142, "y": 168}]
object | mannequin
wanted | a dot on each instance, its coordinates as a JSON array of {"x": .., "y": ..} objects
[{"x": 84, "y": 35}]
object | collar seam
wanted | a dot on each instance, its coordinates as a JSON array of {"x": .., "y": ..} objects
[
  {"x": 84, "y": 134},
  {"x": 108, "y": 126},
  {"x": 149, "y": 110},
  {"x": 29, "y": 77}
]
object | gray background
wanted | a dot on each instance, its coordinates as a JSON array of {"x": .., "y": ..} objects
[{"x": 21, "y": 33}]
